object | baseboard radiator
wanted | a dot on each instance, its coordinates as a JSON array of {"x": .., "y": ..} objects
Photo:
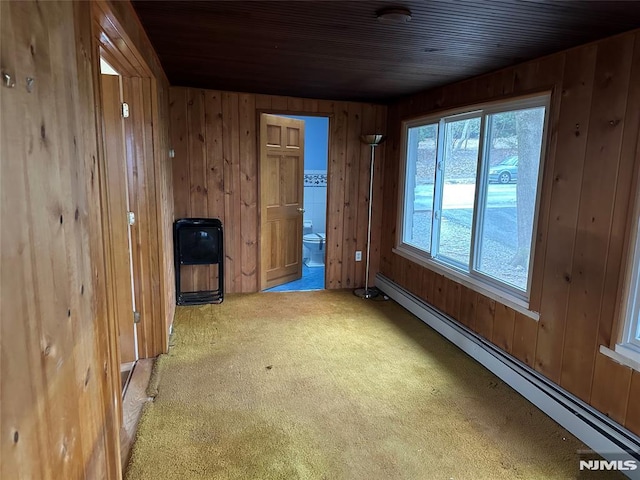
[{"x": 606, "y": 437}]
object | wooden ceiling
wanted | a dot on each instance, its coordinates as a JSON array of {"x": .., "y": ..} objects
[{"x": 339, "y": 50}]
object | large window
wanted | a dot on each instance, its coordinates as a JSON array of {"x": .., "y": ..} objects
[{"x": 471, "y": 183}]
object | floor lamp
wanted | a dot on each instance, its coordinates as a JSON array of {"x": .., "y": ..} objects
[{"x": 373, "y": 141}]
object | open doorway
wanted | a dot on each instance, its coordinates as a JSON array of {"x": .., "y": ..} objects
[
  {"x": 120, "y": 216},
  {"x": 294, "y": 160}
]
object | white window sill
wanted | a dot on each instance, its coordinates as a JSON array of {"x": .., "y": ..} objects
[
  {"x": 496, "y": 294},
  {"x": 629, "y": 357}
]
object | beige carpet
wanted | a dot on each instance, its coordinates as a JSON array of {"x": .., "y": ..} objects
[{"x": 324, "y": 385}]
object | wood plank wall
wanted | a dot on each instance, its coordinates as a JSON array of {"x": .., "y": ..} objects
[
  {"x": 147, "y": 233},
  {"x": 215, "y": 171},
  {"x": 59, "y": 416},
  {"x": 591, "y": 158},
  {"x": 155, "y": 189},
  {"x": 57, "y": 413}
]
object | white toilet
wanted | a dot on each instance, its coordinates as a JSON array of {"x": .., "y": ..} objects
[{"x": 316, "y": 244}]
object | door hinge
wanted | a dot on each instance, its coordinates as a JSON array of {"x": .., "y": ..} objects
[
  {"x": 436, "y": 214},
  {"x": 136, "y": 317},
  {"x": 131, "y": 217},
  {"x": 125, "y": 110}
]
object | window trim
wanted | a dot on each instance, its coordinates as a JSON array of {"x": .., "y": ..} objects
[
  {"x": 474, "y": 279},
  {"x": 628, "y": 346}
]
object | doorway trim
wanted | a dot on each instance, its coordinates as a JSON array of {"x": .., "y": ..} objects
[
  {"x": 296, "y": 113},
  {"x": 109, "y": 40}
]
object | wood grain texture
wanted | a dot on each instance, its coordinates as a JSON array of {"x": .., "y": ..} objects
[
  {"x": 468, "y": 304},
  {"x": 117, "y": 204},
  {"x": 525, "y": 339},
  {"x": 586, "y": 294},
  {"x": 580, "y": 247},
  {"x": 231, "y": 180},
  {"x": 632, "y": 419},
  {"x": 248, "y": 193},
  {"x": 612, "y": 392},
  {"x": 623, "y": 207},
  {"x": 485, "y": 314},
  {"x": 573, "y": 129},
  {"x": 134, "y": 400},
  {"x": 281, "y": 186},
  {"x": 231, "y": 44},
  {"x": 336, "y": 195},
  {"x": 503, "y": 327},
  {"x": 57, "y": 414},
  {"x": 60, "y": 405},
  {"x": 352, "y": 181},
  {"x": 198, "y": 191},
  {"x": 118, "y": 33}
]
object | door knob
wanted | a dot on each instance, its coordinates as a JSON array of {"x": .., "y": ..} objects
[{"x": 301, "y": 210}]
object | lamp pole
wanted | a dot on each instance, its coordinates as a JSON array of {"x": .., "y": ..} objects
[{"x": 373, "y": 141}]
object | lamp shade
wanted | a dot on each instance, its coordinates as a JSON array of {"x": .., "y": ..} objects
[{"x": 372, "y": 140}]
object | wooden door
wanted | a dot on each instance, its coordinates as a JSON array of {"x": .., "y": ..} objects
[
  {"x": 118, "y": 241},
  {"x": 281, "y": 199}
]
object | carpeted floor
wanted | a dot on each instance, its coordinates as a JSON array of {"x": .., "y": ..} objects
[{"x": 324, "y": 385}]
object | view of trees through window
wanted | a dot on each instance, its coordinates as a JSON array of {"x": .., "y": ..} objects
[{"x": 441, "y": 222}]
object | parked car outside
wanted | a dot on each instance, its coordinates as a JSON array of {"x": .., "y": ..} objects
[{"x": 505, "y": 172}]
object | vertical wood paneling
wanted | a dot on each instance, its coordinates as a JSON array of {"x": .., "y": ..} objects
[
  {"x": 391, "y": 175},
  {"x": 179, "y": 125},
  {"x": 503, "y": 327},
  {"x": 279, "y": 103},
  {"x": 453, "y": 299},
  {"x": 228, "y": 182},
  {"x": 196, "y": 151},
  {"x": 550, "y": 71},
  {"x": 58, "y": 418},
  {"x": 439, "y": 291},
  {"x": 612, "y": 392},
  {"x": 571, "y": 146},
  {"x": 179, "y": 144},
  {"x": 586, "y": 192},
  {"x": 594, "y": 215},
  {"x": 155, "y": 340},
  {"x": 352, "y": 179},
  {"x": 248, "y": 193},
  {"x": 525, "y": 339},
  {"x": 309, "y": 105},
  {"x": 485, "y": 312},
  {"x": 198, "y": 205},
  {"x": 468, "y": 302},
  {"x": 632, "y": 420},
  {"x": 427, "y": 285},
  {"x": 336, "y": 196},
  {"x": 59, "y": 374},
  {"x": 215, "y": 170},
  {"x": 230, "y": 151},
  {"x": 624, "y": 197},
  {"x": 295, "y": 104},
  {"x": 130, "y": 264},
  {"x": 263, "y": 102},
  {"x": 146, "y": 169},
  {"x": 215, "y": 159}
]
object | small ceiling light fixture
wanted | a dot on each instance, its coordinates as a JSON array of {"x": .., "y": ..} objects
[{"x": 395, "y": 15}]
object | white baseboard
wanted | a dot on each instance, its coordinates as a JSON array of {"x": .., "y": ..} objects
[{"x": 608, "y": 438}]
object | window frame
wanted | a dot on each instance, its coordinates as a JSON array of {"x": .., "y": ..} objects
[
  {"x": 470, "y": 275},
  {"x": 629, "y": 344}
]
